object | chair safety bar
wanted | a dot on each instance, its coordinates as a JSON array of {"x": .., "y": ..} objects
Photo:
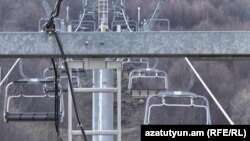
[{"x": 176, "y": 94}]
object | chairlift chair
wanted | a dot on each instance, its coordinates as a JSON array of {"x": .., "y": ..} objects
[
  {"x": 177, "y": 94},
  {"x": 164, "y": 22},
  {"x": 132, "y": 24},
  {"x": 29, "y": 116},
  {"x": 120, "y": 18},
  {"x": 147, "y": 74},
  {"x": 86, "y": 25},
  {"x": 89, "y": 15},
  {"x": 86, "y": 22},
  {"x": 127, "y": 63},
  {"x": 48, "y": 88}
]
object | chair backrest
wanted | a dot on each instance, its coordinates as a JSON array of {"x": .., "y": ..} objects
[{"x": 176, "y": 94}]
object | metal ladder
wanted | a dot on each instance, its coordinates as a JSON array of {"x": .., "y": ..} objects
[
  {"x": 86, "y": 22},
  {"x": 90, "y": 64},
  {"x": 103, "y": 11},
  {"x": 118, "y": 20}
]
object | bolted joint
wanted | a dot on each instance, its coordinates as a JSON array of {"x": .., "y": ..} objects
[{"x": 49, "y": 27}]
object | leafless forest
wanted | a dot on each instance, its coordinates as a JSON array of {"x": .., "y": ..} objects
[{"x": 228, "y": 78}]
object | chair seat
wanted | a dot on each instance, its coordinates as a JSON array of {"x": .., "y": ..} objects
[{"x": 30, "y": 116}]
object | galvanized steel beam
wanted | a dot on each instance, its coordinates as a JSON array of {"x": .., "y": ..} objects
[{"x": 156, "y": 44}]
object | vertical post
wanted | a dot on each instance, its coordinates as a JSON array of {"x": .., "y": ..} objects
[
  {"x": 118, "y": 28},
  {"x": 0, "y": 74},
  {"x": 119, "y": 92},
  {"x": 138, "y": 17},
  {"x": 119, "y": 107},
  {"x": 67, "y": 16},
  {"x": 63, "y": 26},
  {"x": 69, "y": 111},
  {"x": 102, "y": 104},
  {"x": 69, "y": 27}
]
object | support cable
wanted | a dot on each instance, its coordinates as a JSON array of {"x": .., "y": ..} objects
[
  {"x": 49, "y": 27},
  {"x": 126, "y": 21},
  {"x": 209, "y": 92},
  {"x": 124, "y": 16},
  {"x": 156, "y": 13},
  {"x": 57, "y": 101},
  {"x": 80, "y": 22},
  {"x": 82, "y": 16},
  {"x": 9, "y": 72},
  {"x": 70, "y": 84}
]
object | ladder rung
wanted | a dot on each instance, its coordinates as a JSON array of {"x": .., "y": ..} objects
[
  {"x": 30, "y": 116},
  {"x": 96, "y": 132},
  {"x": 95, "y": 90}
]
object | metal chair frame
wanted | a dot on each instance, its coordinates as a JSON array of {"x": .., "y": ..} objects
[
  {"x": 29, "y": 116},
  {"x": 177, "y": 94}
]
